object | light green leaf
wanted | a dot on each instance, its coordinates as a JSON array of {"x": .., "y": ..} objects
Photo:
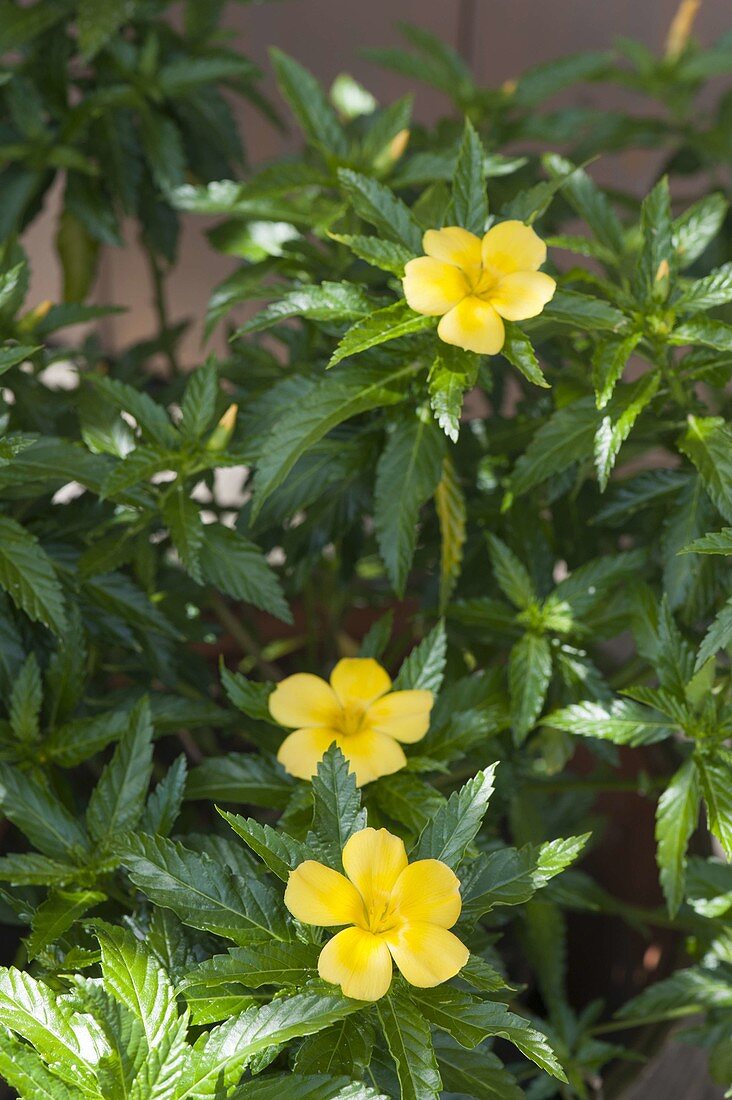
[
  {"x": 529, "y": 676},
  {"x": 238, "y": 567},
  {"x": 451, "y": 515},
  {"x": 718, "y": 636},
  {"x": 408, "y": 1038},
  {"x": 715, "y": 774},
  {"x": 280, "y": 852},
  {"x": 510, "y": 574},
  {"x": 28, "y": 576},
  {"x": 117, "y": 800},
  {"x": 716, "y": 542},
  {"x": 183, "y": 520},
  {"x": 608, "y": 363},
  {"x": 387, "y": 255},
  {"x": 450, "y": 832},
  {"x": 424, "y": 668},
  {"x": 519, "y": 351},
  {"x": 331, "y": 302},
  {"x": 708, "y": 443},
  {"x": 337, "y": 812},
  {"x": 380, "y": 207},
  {"x": 309, "y": 104},
  {"x": 715, "y": 289},
  {"x": 385, "y": 324},
  {"x": 56, "y": 914},
  {"x": 697, "y": 227},
  {"x": 622, "y": 721},
  {"x": 469, "y": 198},
  {"x": 615, "y": 427},
  {"x": 677, "y": 816}
]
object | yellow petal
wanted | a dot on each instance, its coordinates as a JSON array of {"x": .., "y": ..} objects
[
  {"x": 432, "y": 287},
  {"x": 374, "y": 859},
  {"x": 453, "y": 245},
  {"x": 359, "y": 680},
  {"x": 473, "y": 325},
  {"x": 512, "y": 246},
  {"x": 357, "y": 961},
  {"x": 371, "y": 755},
  {"x": 317, "y": 894},
  {"x": 522, "y": 294},
  {"x": 303, "y": 700},
  {"x": 426, "y": 954},
  {"x": 426, "y": 891},
  {"x": 301, "y": 752},
  {"x": 404, "y": 715}
]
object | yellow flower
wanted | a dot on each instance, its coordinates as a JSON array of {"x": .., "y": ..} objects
[
  {"x": 396, "y": 911},
  {"x": 473, "y": 284},
  {"x": 357, "y": 710}
]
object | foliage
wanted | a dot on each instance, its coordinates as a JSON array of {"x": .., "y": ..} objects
[{"x": 540, "y": 538}]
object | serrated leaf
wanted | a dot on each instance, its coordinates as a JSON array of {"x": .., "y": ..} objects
[
  {"x": 380, "y": 207},
  {"x": 407, "y": 475},
  {"x": 469, "y": 198},
  {"x": 56, "y": 914},
  {"x": 589, "y": 202},
  {"x": 452, "y": 516},
  {"x": 529, "y": 676},
  {"x": 203, "y": 893},
  {"x": 718, "y": 636},
  {"x": 25, "y": 1071},
  {"x": 652, "y": 274},
  {"x": 677, "y": 816},
  {"x": 510, "y": 574},
  {"x": 25, "y": 701},
  {"x": 151, "y": 418},
  {"x": 386, "y": 255},
  {"x": 608, "y": 363},
  {"x": 308, "y": 102},
  {"x": 117, "y": 800},
  {"x": 716, "y": 542},
  {"x": 28, "y": 576},
  {"x": 567, "y": 437},
  {"x": 715, "y": 774},
  {"x": 40, "y": 815},
  {"x": 583, "y": 311},
  {"x": 379, "y": 327},
  {"x": 616, "y": 425},
  {"x": 697, "y": 226},
  {"x": 240, "y": 777},
  {"x": 451, "y": 831},
  {"x": 424, "y": 668},
  {"x": 337, "y": 812},
  {"x": 714, "y": 289},
  {"x": 164, "y": 804},
  {"x": 331, "y": 302},
  {"x": 277, "y": 964},
  {"x": 408, "y": 1038},
  {"x": 479, "y": 1074},
  {"x": 519, "y": 351},
  {"x": 136, "y": 469},
  {"x": 280, "y": 852},
  {"x": 97, "y": 21},
  {"x": 183, "y": 519},
  {"x": 621, "y": 721},
  {"x": 199, "y": 400},
  {"x": 239, "y": 568},
  {"x": 247, "y": 695},
  {"x": 708, "y": 444},
  {"x": 344, "y": 1048}
]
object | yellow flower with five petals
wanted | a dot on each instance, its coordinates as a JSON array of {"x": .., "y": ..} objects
[
  {"x": 357, "y": 710},
  {"x": 395, "y": 910},
  {"x": 474, "y": 285}
]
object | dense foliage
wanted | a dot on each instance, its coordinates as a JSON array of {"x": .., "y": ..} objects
[{"x": 538, "y": 538}]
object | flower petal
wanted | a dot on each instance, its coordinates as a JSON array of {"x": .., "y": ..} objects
[
  {"x": 371, "y": 755},
  {"x": 432, "y": 287},
  {"x": 473, "y": 325},
  {"x": 301, "y": 752},
  {"x": 426, "y": 954},
  {"x": 512, "y": 246},
  {"x": 317, "y": 894},
  {"x": 453, "y": 245},
  {"x": 359, "y": 962},
  {"x": 359, "y": 680},
  {"x": 522, "y": 294},
  {"x": 374, "y": 859},
  {"x": 404, "y": 715},
  {"x": 303, "y": 700},
  {"x": 426, "y": 891}
]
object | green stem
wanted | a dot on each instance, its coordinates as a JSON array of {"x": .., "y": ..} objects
[
  {"x": 161, "y": 309},
  {"x": 239, "y": 632}
]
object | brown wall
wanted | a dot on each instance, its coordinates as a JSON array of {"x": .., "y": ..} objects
[{"x": 499, "y": 37}]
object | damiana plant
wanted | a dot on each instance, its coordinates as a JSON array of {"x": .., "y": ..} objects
[{"x": 301, "y": 786}]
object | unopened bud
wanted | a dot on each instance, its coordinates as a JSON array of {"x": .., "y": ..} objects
[
  {"x": 223, "y": 431},
  {"x": 681, "y": 27}
]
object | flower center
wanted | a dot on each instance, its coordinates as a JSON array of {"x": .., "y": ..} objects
[
  {"x": 482, "y": 281},
  {"x": 380, "y": 917},
  {"x": 351, "y": 718}
]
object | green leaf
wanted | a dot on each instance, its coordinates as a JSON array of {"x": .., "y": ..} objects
[
  {"x": 469, "y": 198},
  {"x": 97, "y": 21},
  {"x": 25, "y": 701},
  {"x": 343, "y": 1048},
  {"x": 219, "y": 1056},
  {"x": 26, "y": 1072},
  {"x": 718, "y": 636},
  {"x": 313, "y": 1086},
  {"x": 78, "y": 252},
  {"x": 164, "y": 804},
  {"x": 40, "y": 816},
  {"x": 583, "y": 195},
  {"x": 308, "y": 102},
  {"x": 280, "y": 852},
  {"x": 657, "y": 252},
  {"x": 424, "y": 668},
  {"x": 247, "y": 695},
  {"x": 622, "y": 721},
  {"x": 117, "y": 800},
  {"x": 337, "y": 812},
  {"x": 385, "y": 324},
  {"x": 453, "y": 372},
  {"x": 334, "y": 399},
  {"x": 203, "y": 893},
  {"x": 56, "y": 914},
  {"x": 469, "y": 1021},
  {"x": 715, "y": 289},
  {"x": 615, "y": 427},
  {"x": 32, "y": 1010},
  {"x": 478, "y": 1074},
  {"x": 28, "y": 576},
  {"x": 280, "y": 964},
  {"x": 677, "y": 816},
  {"x": 380, "y": 207},
  {"x": 331, "y": 302},
  {"x": 582, "y": 311},
  {"x": 408, "y": 1038},
  {"x": 152, "y": 418},
  {"x": 183, "y": 519},
  {"x": 708, "y": 443},
  {"x": 199, "y": 401},
  {"x": 702, "y": 330},
  {"x": 136, "y": 980},
  {"x": 510, "y": 574},
  {"x": 697, "y": 226},
  {"x": 387, "y": 255},
  {"x": 452, "y": 516},
  {"x": 608, "y": 363},
  {"x": 529, "y": 676},
  {"x": 238, "y": 567},
  {"x": 715, "y": 774},
  {"x": 519, "y": 351},
  {"x": 407, "y": 475},
  {"x": 240, "y": 777},
  {"x": 716, "y": 542},
  {"x": 567, "y": 437},
  {"x": 135, "y": 469},
  {"x": 451, "y": 831}
]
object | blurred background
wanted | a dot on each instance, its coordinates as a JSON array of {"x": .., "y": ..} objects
[{"x": 499, "y": 38}]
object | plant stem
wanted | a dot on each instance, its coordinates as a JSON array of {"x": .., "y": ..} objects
[{"x": 161, "y": 309}]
